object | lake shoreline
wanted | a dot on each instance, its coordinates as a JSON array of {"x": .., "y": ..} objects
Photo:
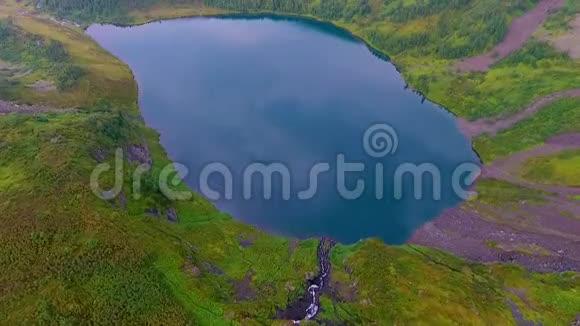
[
  {"x": 376, "y": 52},
  {"x": 307, "y": 83}
]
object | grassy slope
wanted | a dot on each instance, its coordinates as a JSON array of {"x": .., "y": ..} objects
[
  {"x": 70, "y": 257},
  {"x": 561, "y": 168},
  {"x": 560, "y": 116},
  {"x": 455, "y": 290},
  {"x": 85, "y": 259},
  {"x": 73, "y": 257}
]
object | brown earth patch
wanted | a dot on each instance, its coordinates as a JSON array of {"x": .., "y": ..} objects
[
  {"x": 569, "y": 42},
  {"x": 342, "y": 291},
  {"x": 292, "y": 245},
  {"x": 6, "y": 65},
  {"x": 43, "y": 86},
  {"x": 12, "y": 70},
  {"x": 520, "y": 30},
  {"x": 191, "y": 269},
  {"x": 7, "y": 68},
  {"x": 243, "y": 288}
]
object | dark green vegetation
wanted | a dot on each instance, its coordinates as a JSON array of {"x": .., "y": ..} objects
[
  {"x": 93, "y": 9},
  {"x": 480, "y": 25},
  {"x": 532, "y": 54},
  {"x": 70, "y": 258}
]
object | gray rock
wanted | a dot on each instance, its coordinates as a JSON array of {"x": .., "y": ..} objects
[
  {"x": 245, "y": 242},
  {"x": 153, "y": 212},
  {"x": 56, "y": 139},
  {"x": 123, "y": 200},
  {"x": 139, "y": 153},
  {"x": 99, "y": 155},
  {"x": 191, "y": 269},
  {"x": 171, "y": 215},
  {"x": 576, "y": 322},
  {"x": 212, "y": 268}
]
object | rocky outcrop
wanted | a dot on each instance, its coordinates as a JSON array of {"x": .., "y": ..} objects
[
  {"x": 243, "y": 289},
  {"x": 139, "y": 153},
  {"x": 576, "y": 322},
  {"x": 171, "y": 215},
  {"x": 153, "y": 211}
]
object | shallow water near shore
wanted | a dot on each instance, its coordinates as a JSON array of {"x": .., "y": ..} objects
[{"x": 241, "y": 91}]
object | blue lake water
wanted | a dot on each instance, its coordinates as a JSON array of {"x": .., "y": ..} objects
[{"x": 261, "y": 90}]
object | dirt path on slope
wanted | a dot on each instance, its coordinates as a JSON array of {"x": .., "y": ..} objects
[
  {"x": 506, "y": 168},
  {"x": 11, "y": 107},
  {"x": 542, "y": 236},
  {"x": 472, "y": 129},
  {"x": 520, "y": 30}
]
